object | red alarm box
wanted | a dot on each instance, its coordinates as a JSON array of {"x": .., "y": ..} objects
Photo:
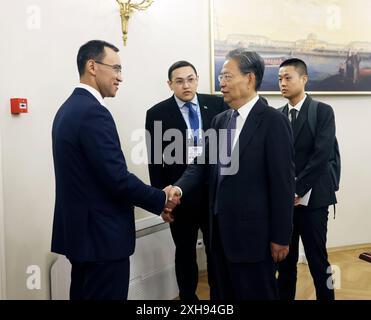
[{"x": 18, "y": 105}]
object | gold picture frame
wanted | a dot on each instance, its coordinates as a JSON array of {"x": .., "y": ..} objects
[{"x": 331, "y": 36}]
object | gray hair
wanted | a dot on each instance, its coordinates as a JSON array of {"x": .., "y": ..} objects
[{"x": 249, "y": 61}]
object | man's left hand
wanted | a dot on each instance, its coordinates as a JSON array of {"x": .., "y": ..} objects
[{"x": 279, "y": 252}]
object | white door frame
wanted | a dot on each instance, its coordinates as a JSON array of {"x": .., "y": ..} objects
[{"x": 2, "y": 232}]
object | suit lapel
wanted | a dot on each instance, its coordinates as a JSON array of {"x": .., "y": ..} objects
[
  {"x": 251, "y": 123},
  {"x": 285, "y": 110},
  {"x": 215, "y": 174},
  {"x": 204, "y": 110},
  {"x": 223, "y": 125},
  {"x": 302, "y": 118},
  {"x": 175, "y": 115}
]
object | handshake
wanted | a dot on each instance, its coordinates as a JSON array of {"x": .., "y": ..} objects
[{"x": 173, "y": 195}]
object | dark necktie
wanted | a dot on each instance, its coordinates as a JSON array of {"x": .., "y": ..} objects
[
  {"x": 293, "y": 113},
  {"x": 231, "y": 130},
  {"x": 193, "y": 121},
  {"x": 226, "y": 147}
]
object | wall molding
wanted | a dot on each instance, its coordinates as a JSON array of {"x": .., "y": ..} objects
[{"x": 363, "y": 246}]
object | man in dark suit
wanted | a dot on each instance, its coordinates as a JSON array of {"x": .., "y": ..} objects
[
  {"x": 95, "y": 193},
  {"x": 313, "y": 181},
  {"x": 191, "y": 114},
  {"x": 251, "y": 194}
]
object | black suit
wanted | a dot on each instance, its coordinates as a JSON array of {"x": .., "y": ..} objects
[
  {"x": 252, "y": 208},
  {"x": 310, "y": 222},
  {"x": 95, "y": 198},
  {"x": 191, "y": 214}
]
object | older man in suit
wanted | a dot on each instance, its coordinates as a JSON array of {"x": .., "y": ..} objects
[
  {"x": 190, "y": 113},
  {"x": 251, "y": 196},
  {"x": 95, "y": 193}
]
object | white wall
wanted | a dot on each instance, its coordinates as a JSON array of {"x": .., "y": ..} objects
[
  {"x": 40, "y": 65},
  {"x": 2, "y": 246}
]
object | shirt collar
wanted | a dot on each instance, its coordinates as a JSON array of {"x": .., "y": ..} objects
[
  {"x": 93, "y": 91},
  {"x": 181, "y": 103},
  {"x": 245, "y": 109},
  {"x": 298, "y": 105}
]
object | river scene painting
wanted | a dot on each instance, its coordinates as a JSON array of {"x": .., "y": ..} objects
[{"x": 332, "y": 37}]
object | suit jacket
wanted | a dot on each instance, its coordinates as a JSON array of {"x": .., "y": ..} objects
[
  {"x": 312, "y": 154},
  {"x": 163, "y": 174},
  {"x": 255, "y": 205},
  {"x": 95, "y": 193}
]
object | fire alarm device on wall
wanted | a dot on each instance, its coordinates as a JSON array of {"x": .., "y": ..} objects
[{"x": 18, "y": 105}]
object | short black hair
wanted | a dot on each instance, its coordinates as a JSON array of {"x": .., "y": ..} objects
[
  {"x": 249, "y": 61},
  {"x": 180, "y": 64},
  {"x": 299, "y": 65},
  {"x": 93, "y": 49}
]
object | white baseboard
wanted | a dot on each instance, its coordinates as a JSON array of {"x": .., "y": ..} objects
[{"x": 159, "y": 285}]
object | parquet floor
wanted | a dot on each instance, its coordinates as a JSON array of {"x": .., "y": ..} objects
[{"x": 352, "y": 277}]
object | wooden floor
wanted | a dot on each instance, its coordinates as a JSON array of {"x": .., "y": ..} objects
[{"x": 352, "y": 277}]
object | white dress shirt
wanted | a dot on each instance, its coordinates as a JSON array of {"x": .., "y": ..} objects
[
  {"x": 243, "y": 114},
  {"x": 297, "y": 107}
]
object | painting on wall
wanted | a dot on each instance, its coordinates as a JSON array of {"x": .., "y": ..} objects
[{"x": 332, "y": 36}]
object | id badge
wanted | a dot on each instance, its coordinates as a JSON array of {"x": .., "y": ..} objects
[{"x": 193, "y": 152}]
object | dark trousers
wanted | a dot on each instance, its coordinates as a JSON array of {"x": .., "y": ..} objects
[
  {"x": 311, "y": 226},
  {"x": 242, "y": 281},
  {"x": 107, "y": 280},
  {"x": 184, "y": 231}
]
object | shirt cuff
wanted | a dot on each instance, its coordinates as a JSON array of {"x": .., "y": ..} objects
[{"x": 180, "y": 190}]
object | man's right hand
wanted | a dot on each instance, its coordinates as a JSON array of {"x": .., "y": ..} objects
[
  {"x": 175, "y": 194},
  {"x": 297, "y": 201},
  {"x": 173, "y": 199}
]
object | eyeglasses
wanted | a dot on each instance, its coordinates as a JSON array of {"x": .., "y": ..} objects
[
  {"x": 182, "y": 82},
  {"x": 115, "y": 67},
  {"x": 226, "y": 77}
]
